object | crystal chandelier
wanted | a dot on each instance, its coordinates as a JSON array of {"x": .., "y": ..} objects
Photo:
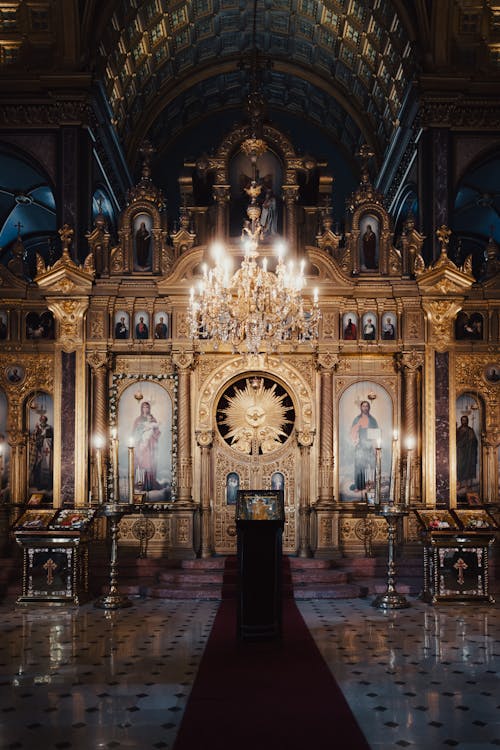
[{"x": 253, "y": 310}]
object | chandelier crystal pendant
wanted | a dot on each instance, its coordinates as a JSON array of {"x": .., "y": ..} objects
[{"x": 253, "y": 310}]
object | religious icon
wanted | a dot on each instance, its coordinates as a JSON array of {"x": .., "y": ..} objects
[
  {"x": 256, "y": 505},
  {"x": 277, "y": 481},
  {"x": 36, "y": 519},
  {"x": 72, "y": 518},
  {"x": 161, "y": 325},
  {"x": 146, "y": 424},
  {"x": 467, "y": 444},
  {"x": 468, "y": 326},
  {"x": 232, "y": 487},
  {"x": 369, "y": 228},
  {"x": 40, "y": 326},
  {"x": 141, "y": 325},
  {"x": 122, "y": 325},
  {"x": 492, "y": 373},
  {"x": 15, "y": 374},
  {"x": 369, "y": 326},
  {"x": 365, "y": 423},
  {"x": 350, "y": 326},
  {"x": 388, "y": 326},
  {"x": 142, "y": 242},
  {"x": 41, "y": 444}
]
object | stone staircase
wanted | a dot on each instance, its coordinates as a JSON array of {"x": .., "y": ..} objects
[{"x": 215, "y": 578}]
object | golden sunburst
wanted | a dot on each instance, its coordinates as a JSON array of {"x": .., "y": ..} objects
[{"x": 256, "y": 414}]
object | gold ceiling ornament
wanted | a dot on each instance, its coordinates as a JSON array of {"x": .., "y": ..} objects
[{"x": 256, "y": 417}]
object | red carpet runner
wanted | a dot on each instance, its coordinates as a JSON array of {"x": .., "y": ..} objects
[{"x": 267, "y": 695}]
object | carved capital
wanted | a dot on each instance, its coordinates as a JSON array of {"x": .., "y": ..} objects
[
  {"x": 99, "y": 360},
  {"x": 204, "y": 438},
  {"x": 70, "y": 315},
  {"x": 183, "y": 360},
  {"x": 305, "y": 438},
  {"x": 441, "y": 315},
  {"x": 327, "y": 362},
  {"x": 411, "y": 360}
]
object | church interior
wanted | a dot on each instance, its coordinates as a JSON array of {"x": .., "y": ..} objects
[{"x": 249, "y": 275}]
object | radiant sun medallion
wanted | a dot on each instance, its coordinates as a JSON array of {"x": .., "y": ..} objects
[{"x": 255, "y": 415}]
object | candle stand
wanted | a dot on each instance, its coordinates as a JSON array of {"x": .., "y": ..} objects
[
  {"x": 391, "y": 599},
  {"x": 114, "y": 512}
]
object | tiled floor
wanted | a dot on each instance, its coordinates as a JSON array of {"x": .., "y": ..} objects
[
  {"x": 426, "y": 677},
  {"x": 89, "y": 679}
]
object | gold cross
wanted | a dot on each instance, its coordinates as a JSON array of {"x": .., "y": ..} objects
[
  {"x": 460, "y": 565},
  {"x": 50, "y": 566}
]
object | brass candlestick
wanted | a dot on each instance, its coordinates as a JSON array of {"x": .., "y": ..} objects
[
  {"x": 391, "y": 599},
  {"x": 114, "y": 512}
]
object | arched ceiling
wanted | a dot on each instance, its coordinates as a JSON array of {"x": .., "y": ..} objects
[{"x": 346, "y": 64}]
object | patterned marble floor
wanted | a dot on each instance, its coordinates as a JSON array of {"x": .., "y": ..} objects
[{"x": 425, "y": 677}]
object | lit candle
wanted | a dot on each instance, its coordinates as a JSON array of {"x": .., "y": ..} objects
[
  {"x": 409, "y": 448},
  {"x": 316, "y": 294},
  {"x": 378, "y": 471},
  {"x": 131, "y": 470},
  {"x": 98, "y": 460},
  {"x": 394, "y": 468}
]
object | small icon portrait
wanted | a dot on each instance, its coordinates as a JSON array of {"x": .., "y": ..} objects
[
  {"x": 492, "y": 373},
  {"x": 40, "y": 326},
  {"x": 161, "y": 325},
  {"x": 350, "y": 327},
  {"x": 15, "y": 374},
  {"x": 122, "y": 325},
  {"x": 369, "y": 327},
  {"x": 388, "y": 326},
  {"x": 142, "y": 325}
]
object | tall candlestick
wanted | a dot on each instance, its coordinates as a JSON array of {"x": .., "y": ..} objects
[
  {"x": 378, "y": 472},
  {"x": 409, "y": 448},
  {"x": 393, "y": 495},
  {"x": 1, "y": 467},
  {"x": 98, "y": 462},
  {"x": 131, "y": 472}
]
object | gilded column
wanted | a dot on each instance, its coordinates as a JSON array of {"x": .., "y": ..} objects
[
  {"x": 305, "y": 440},
  {"x": 99, "y": 363},
  {"x": 412, "y": 363},
  {"x": 326, "y": 514},
  {"x": 184, "y": 361},
  {"x": 204, "y": 440},
  {"x": 326, "y": 364}
]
